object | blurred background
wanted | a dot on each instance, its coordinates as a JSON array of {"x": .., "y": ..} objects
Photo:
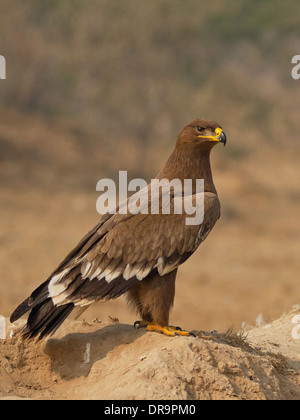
[{"x": 94, "y": 87}]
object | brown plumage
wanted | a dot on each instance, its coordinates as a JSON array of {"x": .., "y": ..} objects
[{"x": 137, "y": 254}]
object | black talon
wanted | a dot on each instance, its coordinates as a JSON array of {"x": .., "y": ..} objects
[{"x": 140, "y": 324}]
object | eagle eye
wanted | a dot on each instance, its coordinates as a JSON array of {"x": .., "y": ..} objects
[{"x": 200, "y": 129}]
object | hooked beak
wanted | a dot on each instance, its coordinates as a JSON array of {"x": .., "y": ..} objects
[{"x": 220, "y": 136}]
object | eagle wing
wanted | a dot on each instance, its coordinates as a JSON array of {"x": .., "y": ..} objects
[
  {"x": 125, "y": 249},
  {"x": 122, "y": 250}
]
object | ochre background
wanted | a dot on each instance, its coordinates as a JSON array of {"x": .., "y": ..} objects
[{"x": 94, "y": 87}]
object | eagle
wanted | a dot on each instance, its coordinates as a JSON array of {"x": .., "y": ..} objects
[{"x": 136, "y": 254}]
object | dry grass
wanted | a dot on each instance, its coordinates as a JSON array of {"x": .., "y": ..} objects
[{"x": 238, "y": 339}]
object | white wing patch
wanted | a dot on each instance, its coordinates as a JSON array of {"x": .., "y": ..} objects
[{"x": 56, "y": 286}]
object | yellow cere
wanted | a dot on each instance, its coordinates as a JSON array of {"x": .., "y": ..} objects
[{"x": 218, "y": 131}]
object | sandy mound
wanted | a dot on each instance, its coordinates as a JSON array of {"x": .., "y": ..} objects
[{"x": 113, "y": 361}]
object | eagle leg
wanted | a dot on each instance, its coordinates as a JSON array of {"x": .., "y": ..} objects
[
  {"x": 169, "y": 331},
  {"x": 166, "y": 330}
]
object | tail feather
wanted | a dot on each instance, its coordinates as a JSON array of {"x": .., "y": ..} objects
[
  {"x": 37, "y": 297},
  {"x": 45, "y": 318},
  {"x": 20, "y": 311}
]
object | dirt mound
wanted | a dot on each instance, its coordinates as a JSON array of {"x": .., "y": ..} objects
[{"x": 113, "y": 361}]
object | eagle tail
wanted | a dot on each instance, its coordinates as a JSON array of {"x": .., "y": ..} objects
[
  {"x": 38, "y": 296},
  {"x": 45, "y": 318}
]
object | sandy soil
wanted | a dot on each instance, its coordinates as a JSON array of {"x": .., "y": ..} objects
[{"x": 102, "y": 360}]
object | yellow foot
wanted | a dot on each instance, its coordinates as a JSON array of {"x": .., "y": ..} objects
[{"x": 167, "y": 330}]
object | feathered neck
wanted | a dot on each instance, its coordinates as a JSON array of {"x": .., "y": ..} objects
[{"x": 189, "y": 163}]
